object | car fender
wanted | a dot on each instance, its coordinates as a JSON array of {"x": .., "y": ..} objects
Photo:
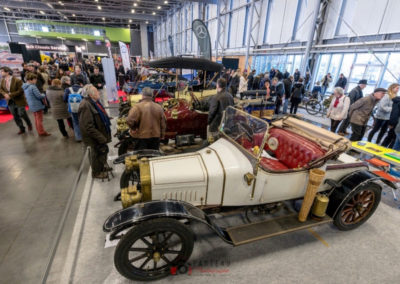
[
  {"x": 140, "y": 212},
  {"x": 348, "y": 184}
]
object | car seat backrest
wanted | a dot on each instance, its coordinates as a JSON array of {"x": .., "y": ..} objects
[{"x": 292, "y": 149}]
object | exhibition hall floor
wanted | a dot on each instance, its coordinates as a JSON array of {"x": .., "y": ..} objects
[{"x": 37, "y": 176}]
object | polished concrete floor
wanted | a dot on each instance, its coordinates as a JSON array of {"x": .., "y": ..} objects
[{"x": 36, "y": 176}]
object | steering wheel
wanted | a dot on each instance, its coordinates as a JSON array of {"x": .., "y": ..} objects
[{"x": 170, "y": 103}]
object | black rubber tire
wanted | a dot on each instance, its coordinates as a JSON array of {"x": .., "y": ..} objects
[
  {"x": 313, "y": 107},
  {"x": 121, "y": 255},
  {"x": 126, "y": 179},
  {"x": 372, "y": 187}
]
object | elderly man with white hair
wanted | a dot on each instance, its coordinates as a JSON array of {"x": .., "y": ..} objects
[
  {"x": 95, "y": 128},
  {"x": 147, "y": 122}
]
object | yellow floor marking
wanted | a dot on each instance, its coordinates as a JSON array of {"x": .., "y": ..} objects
[{"x": 318, "y": 237}]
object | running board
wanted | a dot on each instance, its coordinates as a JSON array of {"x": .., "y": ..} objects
[{"x": 247, "y": 233}]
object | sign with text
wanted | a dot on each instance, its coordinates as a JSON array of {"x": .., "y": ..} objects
[{"x": 46, "y": 47}]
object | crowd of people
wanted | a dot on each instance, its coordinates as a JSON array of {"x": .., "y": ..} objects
[
  {"x": 75, "y": 94},
  {"x": 354, "y": 109}
]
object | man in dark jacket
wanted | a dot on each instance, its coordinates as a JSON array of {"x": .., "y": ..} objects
[
  {"x": 78, "y": 75},
  {"x": 296, "y": 75},
  {"x": 257, "y": 81},
  {"x": 96, "y": 132},
  {"x": 11, "y": 90},
  {"x": 361, "y": 111},
  {"x": 147, "y": 122},
  {"x": 287, "y": 83},
  {"x": 218, "y": 104},
  {"x": 250, "y": 80},
  {"x": 354, "y": 96},
  {"x": 278, "y": 91},
  {"x": 97, "y": 80},
  {"x": 341, "y": 82}
]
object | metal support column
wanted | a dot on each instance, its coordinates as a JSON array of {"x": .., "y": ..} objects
[
  {"x": 222, "y": 8},
  {"x": 253, "y": 25},
  {"x": 310, "y": 38},
  {"x": 8, "y": 32}
]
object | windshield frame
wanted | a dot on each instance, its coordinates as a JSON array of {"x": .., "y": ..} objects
[{"x": 253, "y": 157}]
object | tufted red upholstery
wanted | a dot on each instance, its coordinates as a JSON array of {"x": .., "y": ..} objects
[
  {"x": 273, "y": 165},
  {"x": 294, "y": 151}
]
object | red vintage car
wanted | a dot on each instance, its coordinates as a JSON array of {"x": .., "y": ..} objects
[{"x": 185, "y": 118}]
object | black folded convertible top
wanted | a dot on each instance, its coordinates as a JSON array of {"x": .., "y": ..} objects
[{"x": 187, "y": 63}]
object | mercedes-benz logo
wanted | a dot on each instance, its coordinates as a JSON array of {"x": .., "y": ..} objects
[{"x": 201, "y": 31}]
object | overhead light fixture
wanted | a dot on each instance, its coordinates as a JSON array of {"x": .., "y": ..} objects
[
  {"x": 99, "y": 7},
  {"x": 130, "y": 21},
  {"x": 84, "y": 39},
  {"x": 158, "y": 7},
  {"x": 143, "y": 12},
  {"x": 45, "y": 29},
  {"x": 154, "y": 13},
  {"x": 133, "y": 11},
  {"x": 134, "y": 4},
  {"x": 147, "y": 22},
  {"x": 103, "y": 19},
  {"x": 61, "y": 3},
  {"x": 51, "y": 6},
  {"x": 165, "y": 2},
  {"x": 72, "y": 31},
  {"x": 41, "y": 12},
  {"x": 96, "y": 0},
  {"x": 73, "y": 15},
  {"x": 7, "y": 9},
  {"x": 65, "y": 17}
]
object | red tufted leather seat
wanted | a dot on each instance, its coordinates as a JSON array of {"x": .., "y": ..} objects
[{"x": 293, "y": 151}]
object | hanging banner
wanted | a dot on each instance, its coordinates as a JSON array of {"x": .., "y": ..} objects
[
  {"x": 109, "y": 77},
  {"x": 124, "y": 51},
  {"x": 171, "y": 45},
  {"x": 203, "y": 38}
]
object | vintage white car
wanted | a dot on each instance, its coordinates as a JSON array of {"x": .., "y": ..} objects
[{"x": 252, "y": 165}]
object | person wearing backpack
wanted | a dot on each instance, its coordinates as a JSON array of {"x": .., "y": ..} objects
[
  {"x": 296, "y": 95},
  {"x": 73, "y": 97}
]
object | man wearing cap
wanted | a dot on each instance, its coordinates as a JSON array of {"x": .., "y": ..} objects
[
  {"x": 11, "y": 90},
  {"x": 147, "y": 122},
  {"x": 354, "y": 96},
  {"x": 360, "y": 113}
]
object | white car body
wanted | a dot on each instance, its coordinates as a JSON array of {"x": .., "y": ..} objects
[{"x": 214, "y": 176}]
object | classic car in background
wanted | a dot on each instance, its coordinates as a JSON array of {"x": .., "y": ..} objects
[
  {"x": 253, "y": 165},
  {"x": 183, "y": 118}
]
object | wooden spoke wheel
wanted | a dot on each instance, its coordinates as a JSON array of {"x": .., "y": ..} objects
[
  {"x": 358, "y": 207},
  {"x": 150, "y": 249}
]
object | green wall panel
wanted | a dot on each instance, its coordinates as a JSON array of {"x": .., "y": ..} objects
[{"x": 114, "y": 34}]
